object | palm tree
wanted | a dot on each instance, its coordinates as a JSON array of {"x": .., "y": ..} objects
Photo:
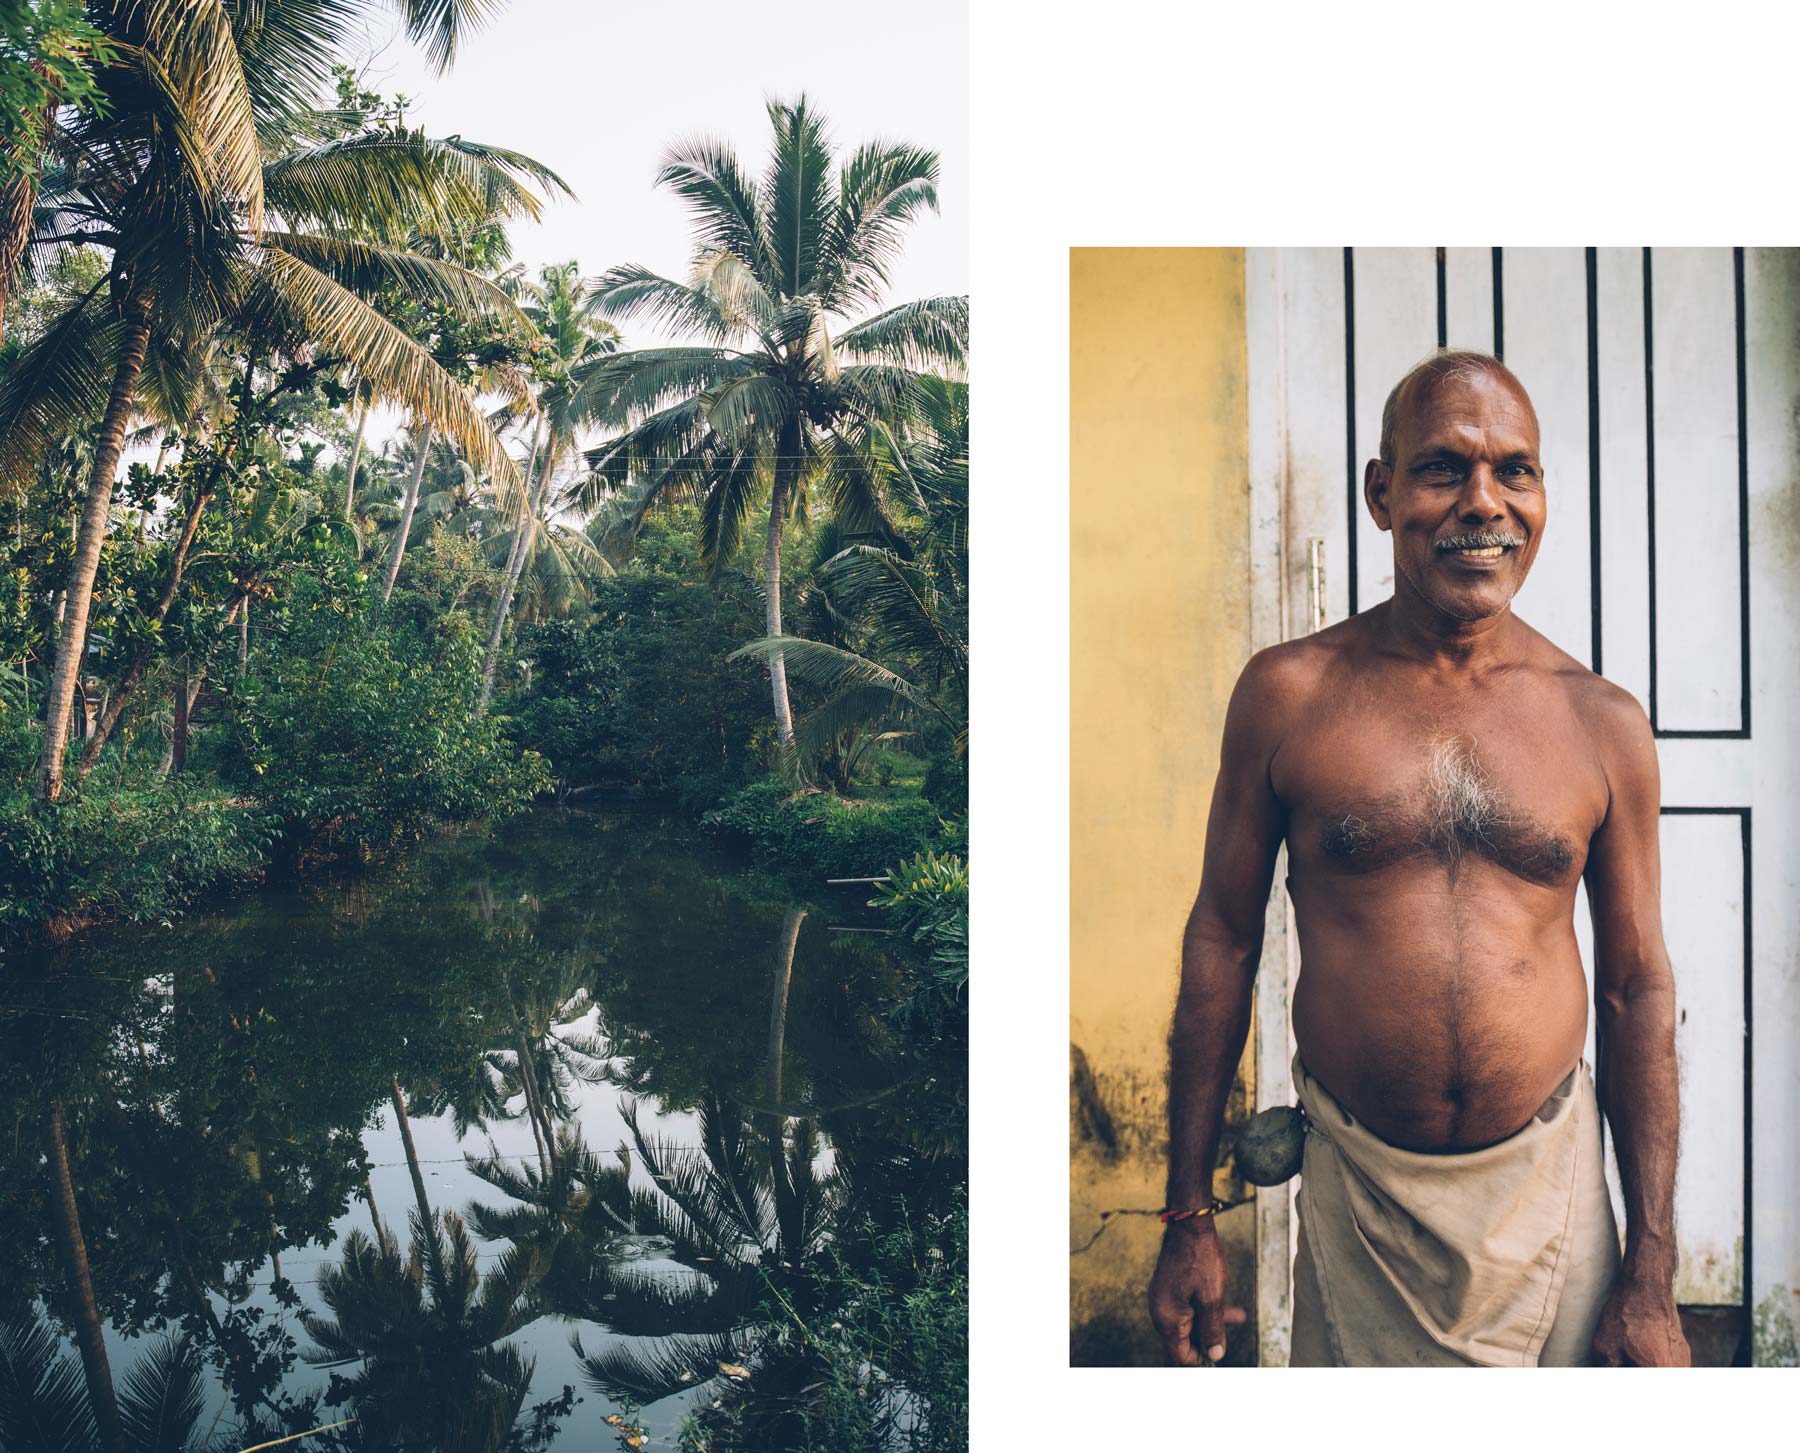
[
  {"x": 439, "y": 25},
  {"x": 429, "y": 1332},
  {"x": 776, "y": 390},
  {"x": 172, "y": 182},
  {"x": 907, "y": 597},
  {"x": 565, "y": 313}
]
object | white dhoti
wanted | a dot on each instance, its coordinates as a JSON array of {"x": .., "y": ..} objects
[{"x": 1500, "y": 1257}]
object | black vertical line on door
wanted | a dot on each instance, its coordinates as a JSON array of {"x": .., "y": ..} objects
[
  {"x": 1650, "y": 472},
  {"x": 1350, "y": 419},
  {"x": 1499, "y": 309},
  {"x": 1593, "y": 365},
  {"x": 1442, "y": 304}
]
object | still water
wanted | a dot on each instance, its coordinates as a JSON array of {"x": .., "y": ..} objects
[{"x": 570, "y": 1120}]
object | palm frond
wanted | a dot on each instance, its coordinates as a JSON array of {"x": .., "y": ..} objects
[
  {"x": 797, "y": 196},
  {"x": 651, "y": 1373},
  {"x": 925, "y": 333},
  {"x": 721, "y": 201},
  {"x": 395, "y": 366},
  {"x": 442, "y": 26},
  {"x": 44, "y": 1405},
  {"x": 630, "y": 291},
  {"x": 881, "y": 189},
  {"x": 161, "y": 1397},
  {"x": 365, "y": 267},
  {"x": 59, "y": 383}
]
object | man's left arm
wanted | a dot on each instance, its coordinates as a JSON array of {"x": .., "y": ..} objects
[{"x": 1634, "y": 993}]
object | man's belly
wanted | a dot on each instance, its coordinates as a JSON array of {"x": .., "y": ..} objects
[{"x": 1440, "y": 1017}]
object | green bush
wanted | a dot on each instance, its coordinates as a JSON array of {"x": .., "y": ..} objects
[
  {"x": 818, "y": 833},
  {"x": 357, "y": 735},
  {"x": 126, "y": 855},
  {"x": 947, "y": 783},
  {"x": 928, "y": 898},
  {"x": 639, "y": 697}
]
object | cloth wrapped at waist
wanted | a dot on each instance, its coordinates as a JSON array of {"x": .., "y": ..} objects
[{"x": 1499, "y": 1257}]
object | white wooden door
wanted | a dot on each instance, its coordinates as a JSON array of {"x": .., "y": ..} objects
[{"x": 1667, "y": 385}]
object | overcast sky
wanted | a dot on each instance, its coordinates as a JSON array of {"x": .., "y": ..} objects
[{"x": 599, "y": 91}]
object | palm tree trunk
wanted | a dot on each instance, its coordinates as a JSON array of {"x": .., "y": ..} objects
[
  {"x": 110, "y": 717},
  {"x": 515, "y": 566},
  {"x": 787, "y": 467},
  {"x": 168, "y": 761},
  {"x": 407, "y": 507},
  {"x": 362, "y": 423},
  {"x": 244, "y": 639},
  {"x": 75, "y": 1264},
  {"x": 412, "y": 1154},
  {"x": 90, "y": 536}
]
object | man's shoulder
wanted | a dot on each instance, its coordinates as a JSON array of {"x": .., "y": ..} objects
[
  {"x": 1290, "y": 671},
  {"x": 1613, "y": 714}
]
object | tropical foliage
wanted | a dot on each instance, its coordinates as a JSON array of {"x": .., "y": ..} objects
[{"x": 330, "y": 533}]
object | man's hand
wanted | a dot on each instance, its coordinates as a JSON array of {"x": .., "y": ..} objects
[
  {"x": 1187, "y": 1294},
  {"x": 1639, "y": 1326}
]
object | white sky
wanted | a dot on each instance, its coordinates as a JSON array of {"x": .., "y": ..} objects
[{"x": 599, "y": 91}]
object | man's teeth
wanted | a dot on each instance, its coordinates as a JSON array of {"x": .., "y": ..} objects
[{"x": 1487, "y": 552}]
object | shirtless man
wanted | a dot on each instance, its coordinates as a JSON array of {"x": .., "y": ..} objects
[{"x": 1443, "y": 778}]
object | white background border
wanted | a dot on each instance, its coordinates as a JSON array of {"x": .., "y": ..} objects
[{"x": 1138, "y": 123}]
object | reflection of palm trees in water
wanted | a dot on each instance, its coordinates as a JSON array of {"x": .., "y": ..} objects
[
  {"x": 574, "y": 1216},
  {"x": 429, "y": 1334},
  {"x": 748, "y": 1215},
  {"x": 46, "y": 1404}
]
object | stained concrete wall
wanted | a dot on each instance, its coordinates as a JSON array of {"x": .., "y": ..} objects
[{"x": 1159, "y": 628}]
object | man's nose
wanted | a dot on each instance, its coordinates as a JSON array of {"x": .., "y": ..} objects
[{"x": 1480, "y": 499}]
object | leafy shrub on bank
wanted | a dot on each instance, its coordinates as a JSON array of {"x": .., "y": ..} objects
[
  {"x": 826, "y": 835},
  {"x": 928, "y": 899},
  {"x": 356, "y": 737},
  {"x": 127, "y": 855},
  {"x": 640, "y": 696},
  {"x": 877, "y": 1358}
]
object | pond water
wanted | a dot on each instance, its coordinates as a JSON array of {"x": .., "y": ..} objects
[{"x": 661, "y": 1117}]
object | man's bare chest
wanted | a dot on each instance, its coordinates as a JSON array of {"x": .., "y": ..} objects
[{"x": 1367, "y": 788}]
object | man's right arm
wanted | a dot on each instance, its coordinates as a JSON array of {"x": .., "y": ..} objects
[{"x": 1219, "y": 954}]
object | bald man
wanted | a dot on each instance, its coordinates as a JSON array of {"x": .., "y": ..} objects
[{"x": 1443, "y": 778}]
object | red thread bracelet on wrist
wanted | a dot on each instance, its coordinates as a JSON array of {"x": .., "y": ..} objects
[{"x": 1167, "y": 1215}]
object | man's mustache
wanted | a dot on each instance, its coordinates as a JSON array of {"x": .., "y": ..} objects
[{"x": 1481, "y": 540}]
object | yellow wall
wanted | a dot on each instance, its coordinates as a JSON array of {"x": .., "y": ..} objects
[{"x": 1160, "y": 627}]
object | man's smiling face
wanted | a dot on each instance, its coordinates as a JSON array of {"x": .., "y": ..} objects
[{"x": 1464, "y": 491}]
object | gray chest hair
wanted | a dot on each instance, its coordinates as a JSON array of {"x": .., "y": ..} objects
[{"x": 1454, "y": 810}]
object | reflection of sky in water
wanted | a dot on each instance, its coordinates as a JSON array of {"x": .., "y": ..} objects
[{"x": 638, "y": 903}]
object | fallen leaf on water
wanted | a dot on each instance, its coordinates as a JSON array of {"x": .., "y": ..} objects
[
  {"x": 614, "y": 1419},
  {"x": 731, "y": 1369}
]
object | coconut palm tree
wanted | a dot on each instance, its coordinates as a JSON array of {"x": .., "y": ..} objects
[
  {"x": 440, "y": 26},
  {"x": 172, "y": 180},
  {"x": 565, "y": 313},
  {"x": 903, "y": 600},
  {"x": 769, "y": 397}
]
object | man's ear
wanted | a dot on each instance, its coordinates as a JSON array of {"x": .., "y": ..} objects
[{"x": 1376, "y": 477}]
